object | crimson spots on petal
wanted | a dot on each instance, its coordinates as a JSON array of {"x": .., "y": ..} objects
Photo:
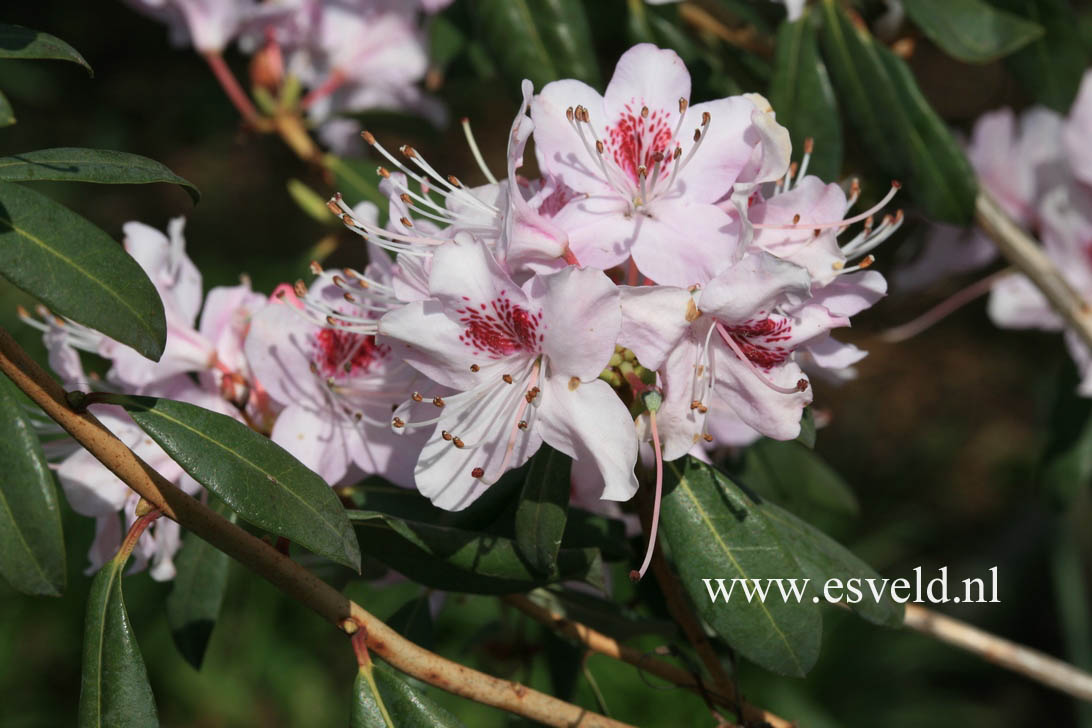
[
  {"x": 635, "y": 139},
  {"x": 338, "y": 353},
  {"x": 501, "y": 328},
  {"x": 761, "y": 340}
]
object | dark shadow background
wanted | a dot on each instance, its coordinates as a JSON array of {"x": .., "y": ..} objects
[{"x": 940, "y": 437}]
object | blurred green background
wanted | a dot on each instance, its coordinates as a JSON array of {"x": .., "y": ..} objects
[{"x": 940, "y": 438}]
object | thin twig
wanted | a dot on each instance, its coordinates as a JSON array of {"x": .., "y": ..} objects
[
  {"x": 945, "y": 308},
  {"x": 605, "y": 645},
  {"x": 746, "y": 38},
  {"x": 286, "y": 574},
  {"x": 1027, "y": 255},
  {"x": 232, "y": 89},
  {"x": 1032, "y": 663}
]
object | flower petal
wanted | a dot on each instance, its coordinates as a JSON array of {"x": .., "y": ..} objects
[
  {"x": 680, "y": 243},
  {"x": 316, "y": 440},
  {"x": 582, "y": 317},
  {"x": 654, "y": 321},
  {"x": 646, "y": 76},
  {"x": 558, "y": 147},
  {"x": 752, "y": 287}
]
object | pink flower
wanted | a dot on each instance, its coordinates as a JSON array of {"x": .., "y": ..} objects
[
  {"x": 1078, "y": 128},
  {"x": 524, "y": 362},
  {"x": 656, "y": 178},
  {"x": 318, "y": 358},
  {"x": 210, "y": 25}
]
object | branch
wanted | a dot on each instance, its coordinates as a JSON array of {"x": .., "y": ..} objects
[
  {"x": 1027, "y": 255},
  {"x": 604, "y": 645},
  {"x": 1032, "y": 663},
  {"x": 289, "y": 576}
]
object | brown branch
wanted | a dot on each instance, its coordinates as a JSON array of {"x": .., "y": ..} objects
[
  {"x": 293, "y": 579},
  {"x": 1026, "y": 254},
  {"x": 1024, "y": 660},
  {"x": 746, "y": 37},
  {"x": 605, "y": 645}
]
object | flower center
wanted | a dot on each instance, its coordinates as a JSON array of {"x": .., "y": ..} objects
[
  {"x": 338, "y": 353},
  {"x": 637, "y": 137},
  {"x": 500, "y": 328}
]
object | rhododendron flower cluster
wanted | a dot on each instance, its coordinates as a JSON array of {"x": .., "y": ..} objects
[
  {"x": 1038, "y": 167},
  {"x": 669, "y": 283}
]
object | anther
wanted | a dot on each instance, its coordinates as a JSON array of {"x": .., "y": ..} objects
[
  {"x": 417, "y": 397},
  {"x": 477, "y": 473},
  {"x": 406, "y": 198},
  {"x": 457, "y": 443},
  {"x": 695, "y": 404},
  {"x": 703, "y": 409},
  {"x": 507, "y": 378},
  {"x": 707, "y": 437},
  {"x": 644, "y": 112},
  {"x": 683, "y": 104},
  {"x": 475, "y": 368},
  {"x": 316, "y": 268},
  {"x": 522, "y": 424},
  {"x": 314, "y": 368},
  {"x": 368, "y": 137},
  {"x": 446, "y": 435},
  {"x": 349, "y": 297},
  {"x": 331, "y": 320},
  {"x": 809, "y": 145},
  {"x": 383, "y": 172},
  {"x": 697, "y": 135},
  {"x": 454, "y": 180},
  {"x": 569, "y": 113},
  {"x": 438, "y": 401},
  {"x": 300, "y": 289},
  {"x": 406, "y": 221},
  {"x": 802, "y": 385},
  {"x": 398, "y": 422},
  {"x": 796, "y": 218},
  {"x": 867, "y": 261},
  {"x": 408, "y": 151},
  {"x": 338, "y": 280},
  {"x": 599, "y": 146},
  {"x": 706, "y": 117}
]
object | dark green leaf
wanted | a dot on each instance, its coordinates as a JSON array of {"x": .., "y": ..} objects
[
  {"x": 823, "y": 559},
  {"x": 895, "y": 123},
  {"x": 114, "y": 689},
  {"x": 445, "y": 42},
  {"x": 794, "y": 476},
  {"x": 406, "y": 707},
  {"x": 454, "y": 559},
  {"x": 197, "y": 592},
  {"x": 31, "y": 539},
  {"x": 543, "y": 40},
  {"x": 7, "y": 113},
  {"x": 78, "y": 270},
  {"x": 413, "y": 620},
  {"x": 19, "y": 42},
  {"x": 1072, "y": 599},
  {"x": 541, "y": 515},
  {"x": 257, "y": 478},
  {"x": 801, "y": 94},
  {"x": 1050, "y": 68},
  {"x": 972, "y": 30},
  {"x": 716, "y": 531},
  {"x": 1066, "y": 468},
  {"x": 807, "y": 429},
  {"x": 73, "y": 164}
]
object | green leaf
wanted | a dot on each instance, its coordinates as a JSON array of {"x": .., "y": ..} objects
[
  {"x": 895, "y": 123},
  {"x": 1050, "y": 69},
  {"x": 459, "y": 560},
  {"x": 823, "y": 559},
  {"x": 794, "y": 476},
  {"x": 807, "y": 429},
  {"x": 114, "y": 688},
  {"x": 257, "y": 478},
  {"x": 1066, "y": 467},
  {"x": 543, "y": 40},
  {"x": 197, "y": 592},
  {"x": 717, "y": 531},
  {"x": 972, "y": 30},
  {"x": 541, "y": 514},
  {"x": 801, "y": 94},
  {"x": 7, "y": 113},
  {"x": 103, "y": 166},
  {"x": 24, "y": 43},
  {"x": 405, "y": 706},
  {"x": 78, "y": 270},
  {"x": 32, "y": 557}
]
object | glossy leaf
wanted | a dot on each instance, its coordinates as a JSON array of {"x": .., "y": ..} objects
[
  {"x": 26, "y": 44},
  {"x": 103, "y": 166},
  {"x": 1066, "y": 468},
  {"x": 542, "y": 510},
  {"x": 406, "y": 707},
  {"x": 803, "y": 98},
  {"x": 7, "y": 113},
  {"x": 794, "y": 476},
  {"x": 823, "y": 559},
  {"x": 807, "y": 429},
  {"x": 32, "y": 557},
  {"x": 1050, "y": 68},
  {"x": 717, "y": 531},
  {"x": 78, "y": 270},
  {"x": 454, "y": 559},
  {"x": 972, "y": 30},
  {"x": 895, "y": 123},
  {"x": 197, "y": 592},
  {"x": 114, "y": 688},
  {"x": 254, "y": 476},
  {"x": 543, "y": 40}
]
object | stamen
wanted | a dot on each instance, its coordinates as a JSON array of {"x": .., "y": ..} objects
[
  {"x": 639, "y": 573},
  {"x": 895, "y": 186},
  {"x": 801, "y": 385},
  {"x": 472, "y": 142}
]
